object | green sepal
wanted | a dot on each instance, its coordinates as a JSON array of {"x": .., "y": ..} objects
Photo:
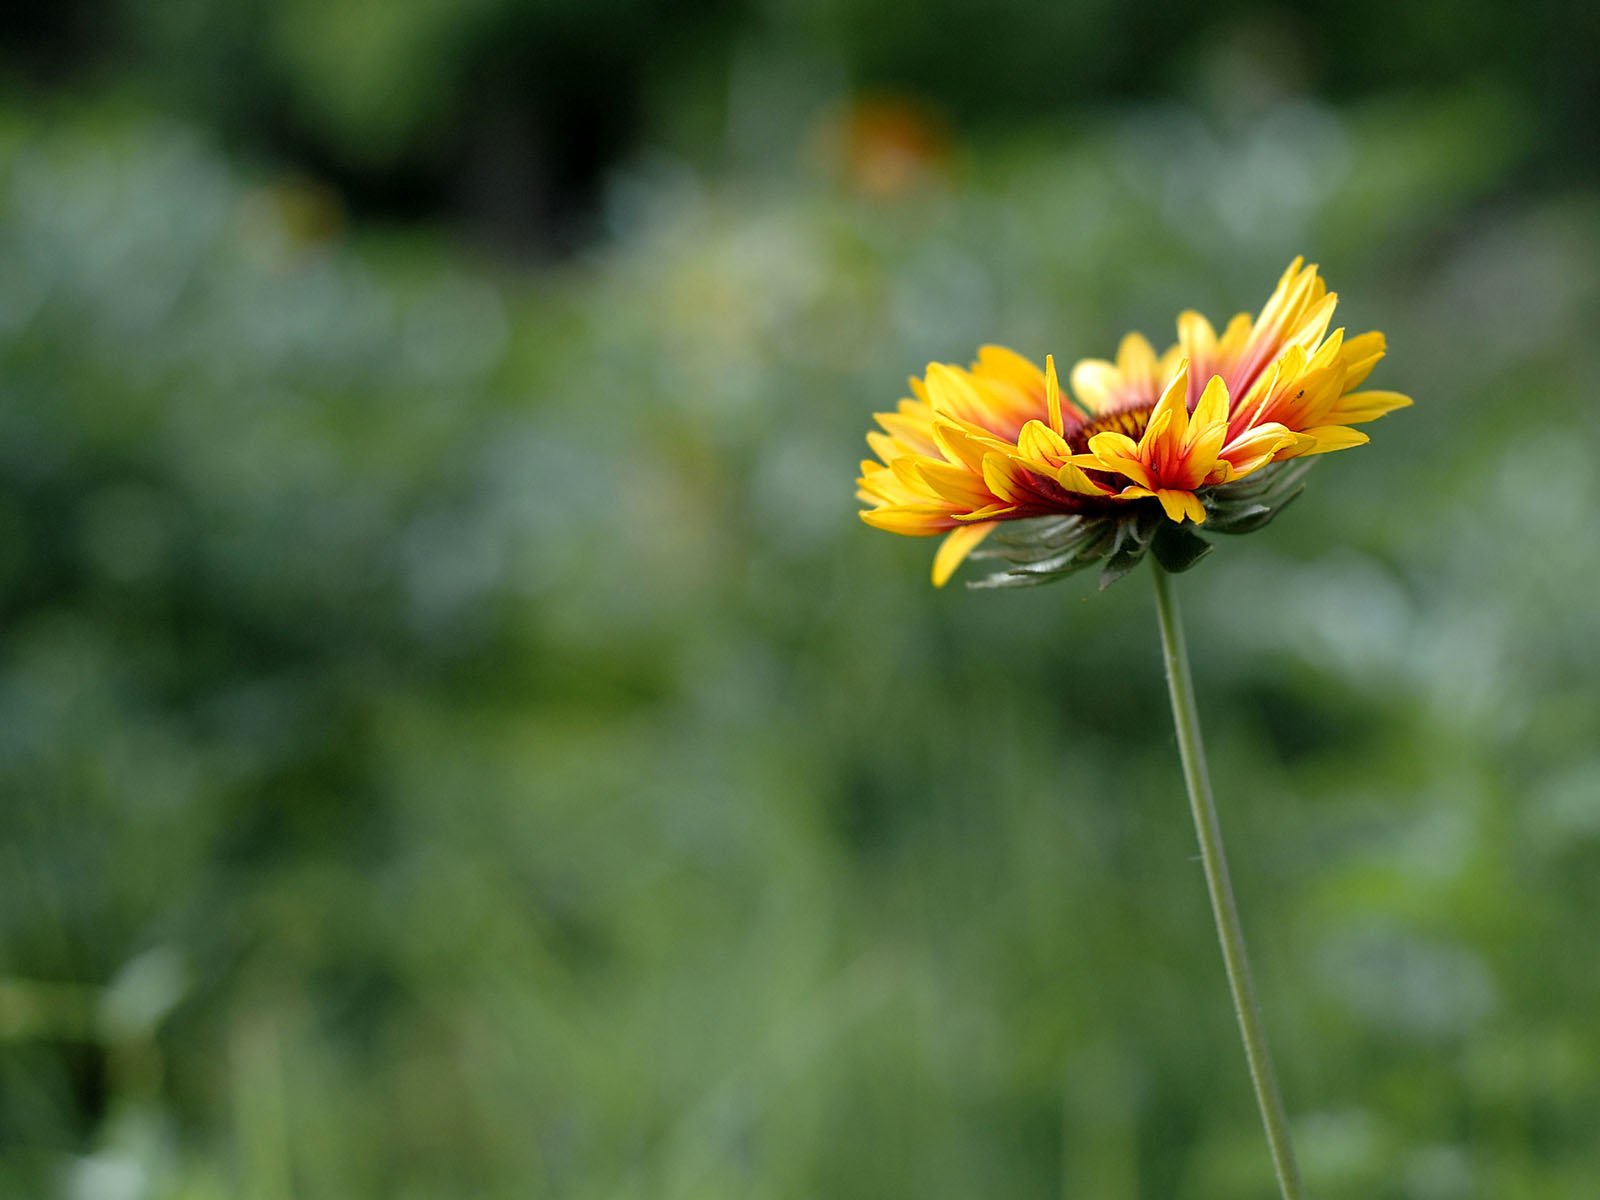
[
  {"x": 1243, "y": 518},
  {"x": 1120, "y": 563},
  {"x": 1042, "y": 549},
  {"x": 1253, "y": 503},
  {"x": 1179, "y": 547},
  {"x": 1046, "y": 549},
  {"x": 1134, "y": 535}
]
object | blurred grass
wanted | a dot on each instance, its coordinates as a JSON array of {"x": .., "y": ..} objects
[{"x": 458, "y": 740}]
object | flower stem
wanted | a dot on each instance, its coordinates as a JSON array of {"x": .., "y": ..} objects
[{"x": 1186, "y": 720}]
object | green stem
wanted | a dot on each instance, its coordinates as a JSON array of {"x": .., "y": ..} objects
[{"x": 1186, "y": 720}]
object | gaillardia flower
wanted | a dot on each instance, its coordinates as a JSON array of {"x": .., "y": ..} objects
[{"x": 1138, "y": 453}]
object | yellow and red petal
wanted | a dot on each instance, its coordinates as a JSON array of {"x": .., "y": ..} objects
[
  {"x": 1039, "y": 443},
  {"x": 1212, "y": 407},
  {"x": 1176, "y": 503},
  {"x": 1253, "y": 450},
  {"x": 1075, "y": 480},
  {"x": 1174, "y": 400},
  {"x": 1116, "y": 453},
  {"x": 962, "y": 443},
  {"x": 998, "y": 440},
  {"x": 956, "y": 484}
]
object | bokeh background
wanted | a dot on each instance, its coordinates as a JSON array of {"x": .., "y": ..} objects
[{"x": 457, "y": 740}]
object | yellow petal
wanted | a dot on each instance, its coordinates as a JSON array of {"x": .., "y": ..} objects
[
  {"x": 950, "y": 391},
  {"x": 1254, "y": 449},
  {"x": 910, "y": 427},
  {"x": 955, "y": 484},
  {"x": 1174, "y": 402},
  {"x": 1360, "y": 355},
  {"x": 1327, "y": 438},
  {"x": 1160, "y": 437},
  {"x": 955, "y": 548},
  {"x": 1170, "y": 361},
  {"x": 1314, "y": 323},
  {"x": 987, "y": 513},
  {"x": 1330, "y": 351},
  {"x": 1072, "y": 477},
  {"x": 1196, "y": 336},
  {"x": 962, "y": 443},
  {"x": 1238, "y": 468},
  {"x": 907, "y": 469},
  {"x": 1267, "y": 393},
  {"x": 1318, "y": 393},
  {"x": 1115, "y": 452},
  {"x": 1235, "y": 336},
  {"x": 1052, "y": 394},
  {"x": 1291, "y": 293},
  {"x": 1111, "y": 444},
  {"x": 1094, "y": 383},
  {"x": 1200, "y": 450},
  {"x": 881, "y": 487},
  {"x": 1178, "y": 504},
  {"x": 884, "y": 446},
  {"x": 1136, "y": 358},
  {"x": 1008, "y": 479},
  {"x": 1213, "y": 403},
  {"x": 1037, "y": 441},
  {"x": 1359, "y": 407},
  {"x": 913, "y": 521},
  {"x": 998, "y": 362}
]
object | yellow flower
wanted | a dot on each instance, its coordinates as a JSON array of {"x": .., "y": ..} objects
[{"x": 1001, "y": 441}]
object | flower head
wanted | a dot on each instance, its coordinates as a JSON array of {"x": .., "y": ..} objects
[{"x": 1142, "y": 449}]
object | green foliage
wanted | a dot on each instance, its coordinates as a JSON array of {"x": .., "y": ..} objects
[
  {"x": 457, "y": 739},
  {"x": 1178, "y": 548},
  {"x": 397, "y": 86}
]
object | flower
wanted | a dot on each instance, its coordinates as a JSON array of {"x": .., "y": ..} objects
[{"x": 1143, "y": 448}]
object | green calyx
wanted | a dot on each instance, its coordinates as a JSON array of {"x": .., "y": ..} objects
[{"x": 1048, "y": 548}]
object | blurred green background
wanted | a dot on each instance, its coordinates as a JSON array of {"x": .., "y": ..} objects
[{"x": 457, "y": 739}]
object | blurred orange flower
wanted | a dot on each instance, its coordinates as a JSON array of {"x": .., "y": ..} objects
[{"x": 885, "y": 147}]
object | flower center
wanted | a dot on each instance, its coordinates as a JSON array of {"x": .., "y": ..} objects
[{"x": 1129, "y": 418}]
